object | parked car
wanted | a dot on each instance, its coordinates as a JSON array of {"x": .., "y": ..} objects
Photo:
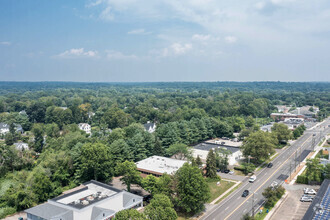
[
  {"x": 231, "y": 172},
  {"x": 218, "y": 170},
  {"x": 226, "y": 171},
  {"x": 309, "y": 191},
  {"x": 306, "y": 198},
  {"x": 269, "y": 165},
  {"x": 252, "y": 179},
  {"x": 245, "y": 193}
]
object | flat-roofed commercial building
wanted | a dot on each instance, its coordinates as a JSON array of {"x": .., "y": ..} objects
[
  {"x": 157, "y": 165},
  {"x": 202, "y": 149},
  {"x": 90, "y": 201}
]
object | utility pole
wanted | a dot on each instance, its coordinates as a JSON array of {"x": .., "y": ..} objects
[
  {"x": 290, "y": 170},
  {"x": 253, "y": 204},
  {"x": 295, "y": 161},
  {"x": 300, "y": 155}
]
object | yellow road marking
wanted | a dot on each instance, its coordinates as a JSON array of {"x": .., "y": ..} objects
[{"x": 266, "y": 179}]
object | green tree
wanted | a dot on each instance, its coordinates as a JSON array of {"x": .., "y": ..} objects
[
  {"x": 326, "y": 171},
  {"x": 94, "y": 163},
  {"x": 259, "y": 145},
  {"x": 150, "y": 184},
  {"x": 160, "y": 185},
  {"x": 130, "y": 174},
  {"x": 160, "y": 208},
  {"x": 52, "y": 130},
  {"x": 282, "y": 132},
  {"x": 42, "y": 186},
  {"x": 181, "y": 151},
  {"x": 192, "y": 190},
  {"x": 211, "y": 168},
  {"x": 38, "y": 132},
  {"x": 9, "y": 139},
  {"x": 116, "y": 134},
  {"x": 20, "y": 197},
  {"x": 116, "y": 118},
  {"x": 130, "y": 214},
  {"x": 120, "y": 151},
  {"x": 250, "y": 121},
  {"x": 314, "y": 170}
]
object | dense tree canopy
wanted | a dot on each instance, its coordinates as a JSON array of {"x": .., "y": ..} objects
[
  {"x": 192, "y": 190},
  {"x": 259, "y": 145}
]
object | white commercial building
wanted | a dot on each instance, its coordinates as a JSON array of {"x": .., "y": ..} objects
[
  {"x": 91, "y": 201},
  {"x": 202, "y": 149},
  {"x": 157, "y": 165}
]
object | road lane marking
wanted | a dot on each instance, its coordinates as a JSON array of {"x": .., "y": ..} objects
[
  {"x": 265, "y": 181},
  {"x": 226, "y": 208}
]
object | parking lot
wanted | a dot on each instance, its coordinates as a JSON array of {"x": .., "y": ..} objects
[{"x": 292, "y": 208}]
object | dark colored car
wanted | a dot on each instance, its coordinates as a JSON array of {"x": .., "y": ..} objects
[
  {"x": 245, "y": 193},
  {"x": 269, "y": 165},
  {"x": 226, "y": 171},
  {"x": 218, "y": 170}
]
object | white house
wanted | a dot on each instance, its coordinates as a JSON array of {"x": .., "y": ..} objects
[
  {"x": 4, "y": 128},
  {"x": 150, "y": 127},
  {"x": 92, "y": 200},
  {"x": 21, "y": 146},
  {"x": 85, "y": 127}
]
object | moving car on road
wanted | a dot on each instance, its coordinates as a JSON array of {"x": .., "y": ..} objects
[
  {"x": 270, "y": 165},
  {"x": 245, "y": 193},
  {"x": 252, "y": 179}
]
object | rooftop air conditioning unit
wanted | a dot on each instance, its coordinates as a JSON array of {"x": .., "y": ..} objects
[{"x": 85, "y": 202}]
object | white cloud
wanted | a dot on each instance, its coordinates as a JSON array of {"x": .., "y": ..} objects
[
  {"x": 201, "y": 37},
  {"x": 179, "y": 49},
  {"x": 116, "y": 55},
  {"x": 107, "y": 14},
  {"x": 138, "y": 31},
  {"x": 175, "y": 49},
  {"x": 230, "y": 39},
  {"x": 7, "y": 43},
  {"x": 78, "y": 53}
]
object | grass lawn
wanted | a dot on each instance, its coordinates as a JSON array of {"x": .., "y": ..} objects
[
  {"x": 216, "y": 191},
  {"x": 231, "y": 191}
]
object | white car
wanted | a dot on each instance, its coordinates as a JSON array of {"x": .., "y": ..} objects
[
  {"x": 274, "y": 184},
  {"x": 305, "y": 198},
  {"x": 309, "y": 191},
  {"x": 252, "y": 179},
  {"x": 231, "y": 172}
]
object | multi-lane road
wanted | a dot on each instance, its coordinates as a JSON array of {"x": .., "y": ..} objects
[{"x": 235, "y": 206}]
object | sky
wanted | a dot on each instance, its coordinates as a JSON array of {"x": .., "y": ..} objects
[{"x": 164, "y": 40}]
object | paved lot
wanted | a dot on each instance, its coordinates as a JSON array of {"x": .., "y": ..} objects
[{"x": 292, "y": 208}]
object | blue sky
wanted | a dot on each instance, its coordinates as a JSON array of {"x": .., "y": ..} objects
[{"x": 164, "y": 40}]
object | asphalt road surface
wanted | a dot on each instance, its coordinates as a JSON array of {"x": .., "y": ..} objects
[{"x": 235, "y": 206}]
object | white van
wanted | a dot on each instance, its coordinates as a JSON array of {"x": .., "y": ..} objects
[{"x": 252, "y": 179}]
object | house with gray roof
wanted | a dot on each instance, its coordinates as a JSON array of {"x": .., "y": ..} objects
[
  {"x": 90, "y": 201},
  {"x": 150, "y": 127},
  {"x": 4, "y": 128}
]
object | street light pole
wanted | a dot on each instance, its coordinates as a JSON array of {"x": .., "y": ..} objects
[{"x": 253, "y": 204}]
